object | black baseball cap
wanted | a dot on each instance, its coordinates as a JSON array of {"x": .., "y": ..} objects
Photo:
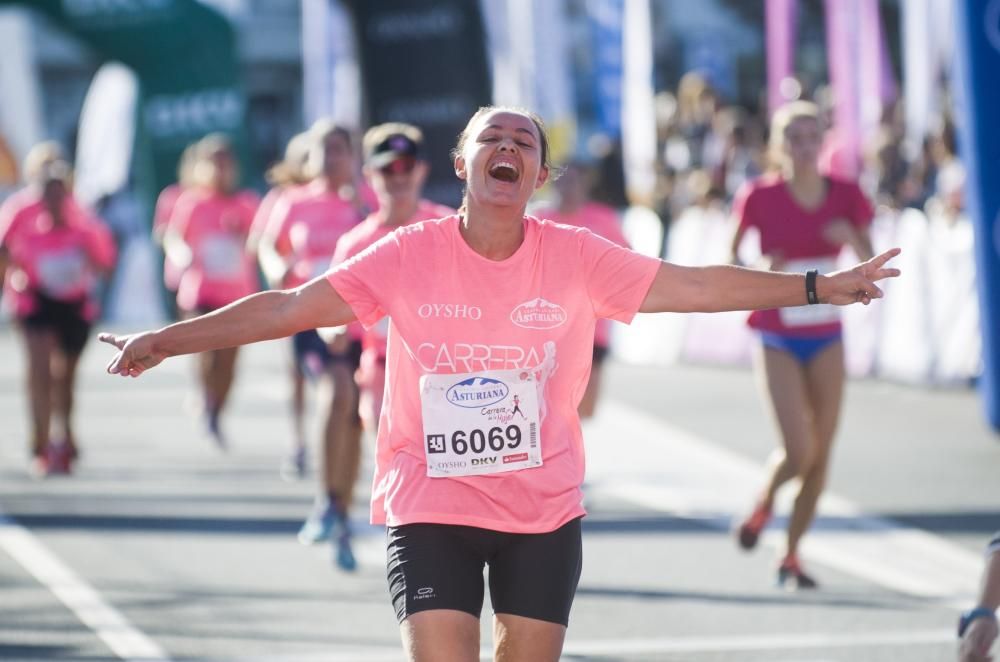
[{"x": 392, "y": 147}]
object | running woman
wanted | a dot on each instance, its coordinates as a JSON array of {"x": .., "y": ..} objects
[
  {"x": 397, "y": 170},
  {"x": 53, "y": 254},
  {"x": 165, "y": 203},
  {"x": 206, "y": 235},
  {"x": 574, "y": 207},
  {"x": 297, "y": 246},
  {"x": 285, "y": 178},
  {"x": 487, "y": 305},
  {"x": 804, "y": 220}
]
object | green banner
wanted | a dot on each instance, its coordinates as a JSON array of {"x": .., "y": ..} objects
[{"x": 184, "y": 55}]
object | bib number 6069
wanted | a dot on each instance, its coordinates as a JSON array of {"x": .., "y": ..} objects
[{"x": 477, "y": 441}]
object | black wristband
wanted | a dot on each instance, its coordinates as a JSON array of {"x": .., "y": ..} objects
[{"x": 811, "y": 295}]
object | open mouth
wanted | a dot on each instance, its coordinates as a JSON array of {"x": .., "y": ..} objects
[{"x": 505, "y": 171}]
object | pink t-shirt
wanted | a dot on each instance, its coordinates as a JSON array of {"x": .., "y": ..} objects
[
  {"x": 61, "y": 263},
  {"x": 165, "y": 204},
  {"x": 362, "y": 236},
  {"x": 797, "y": 234},
  {"x": 452, "y": 311},
  {"x": 603, "y": 221},
  {"x": 215, "y": 227},
  {"x": 263, "y": 216},
  {"x": 306, "y": 225}
]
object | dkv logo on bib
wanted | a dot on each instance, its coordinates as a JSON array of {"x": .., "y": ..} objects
[{"x": 538, "y": 314}]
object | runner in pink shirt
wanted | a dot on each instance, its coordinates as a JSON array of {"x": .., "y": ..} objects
[
  {"x": 574, "y": 207},
  {"x": 804, "y": 219},
  {"x": 166, "y": 201},
  {"x": 298, "y": 244},
  {"x": 479, "y": 457},
  {"x": 285, "y": 178},
  {"x": 207, "y": 235},
  {"x": 395, "y": 167},
  {"x": 22, "y": 206},
  {"x": 56, "y": 254}
]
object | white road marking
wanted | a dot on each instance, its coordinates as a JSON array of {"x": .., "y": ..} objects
[
  {"x": 667, "y": 469},
  {"x": 654, "y": 645},
  {"x": 824, "y": 641},
  {"x": 124, "y": 639}
]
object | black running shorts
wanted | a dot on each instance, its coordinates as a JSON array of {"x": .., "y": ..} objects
[
  {"x": 64, "y": 318},
  {"x": 440, "y": 566},
  {"x": 312, "y": 353}
]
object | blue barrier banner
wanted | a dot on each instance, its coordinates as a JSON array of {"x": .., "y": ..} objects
[{"x": 978, "y": 53}]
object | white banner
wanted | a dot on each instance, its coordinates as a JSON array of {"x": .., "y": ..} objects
[
  {"x": 638, "y": 120},
  {"x": 330, "y": 70},
  {"x": 927, "y": 44},
  {"x": 107, "y": 134}
]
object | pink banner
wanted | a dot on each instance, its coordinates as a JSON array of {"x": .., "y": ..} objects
[
  {"x": 780, "y": 16},
  {"x": 842, "y": 153},
  {"x": 861, "y": 79}
]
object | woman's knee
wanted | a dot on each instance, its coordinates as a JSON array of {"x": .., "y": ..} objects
[
  {"x": 798, "y": 458},
  {"x": 441, "y": 635}
]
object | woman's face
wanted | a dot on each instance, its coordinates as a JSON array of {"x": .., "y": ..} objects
[
  {"x": 54, "y": 193},
  {"x": 400, "y": 181},
  {"x": 223, "y": 169},
  {"x": 501, "y": 160},
  {"x": 803, "y": 140},
  {"x": 337, "y": 157}
]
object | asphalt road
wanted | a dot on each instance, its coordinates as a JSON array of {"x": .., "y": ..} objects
[{"x": 161, "y": 547}]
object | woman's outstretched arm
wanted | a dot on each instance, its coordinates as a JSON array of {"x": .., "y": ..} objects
[
  {"x": 261, "y": 316},
  {"x": 725, "y": 287}
]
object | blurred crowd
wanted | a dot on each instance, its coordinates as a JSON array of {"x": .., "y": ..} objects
[{"x": 708, "y": 149}]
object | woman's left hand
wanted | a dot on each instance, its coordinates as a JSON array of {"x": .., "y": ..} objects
[{"x": 858, "y": 283}]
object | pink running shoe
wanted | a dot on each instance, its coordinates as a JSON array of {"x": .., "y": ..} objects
[
  {"x": 749, "y": 532},
  {"x": 59, "y": 458}
]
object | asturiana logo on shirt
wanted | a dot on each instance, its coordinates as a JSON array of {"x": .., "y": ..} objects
[
  {"x": 538, "y": 314},
  {"x": 477, "y": 392}
]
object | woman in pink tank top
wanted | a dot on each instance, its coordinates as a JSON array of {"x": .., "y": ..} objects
[{"x": 479, "y": 460}]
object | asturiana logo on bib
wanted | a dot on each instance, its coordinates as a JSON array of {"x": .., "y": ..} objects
[
  {"x": 477, "y": 392},
  {"x": 538, "y": 314}
]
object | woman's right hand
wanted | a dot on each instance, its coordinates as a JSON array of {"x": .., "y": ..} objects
[{"x": 137, "y": 353}]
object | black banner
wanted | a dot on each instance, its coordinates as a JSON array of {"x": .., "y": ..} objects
[{"x": 424, "y": 62}]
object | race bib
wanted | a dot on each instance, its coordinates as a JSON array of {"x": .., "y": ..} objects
[
  {"x": 810, "y": 315},
  {"x": 222, "y": 257},
  {"x": 62, "y": 273},
  {"x": 480, "y": 423}
]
